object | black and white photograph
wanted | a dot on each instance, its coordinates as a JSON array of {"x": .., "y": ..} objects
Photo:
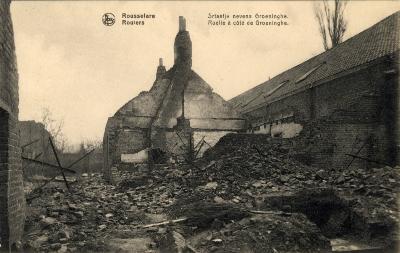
[{"x": 199, "y": 126}]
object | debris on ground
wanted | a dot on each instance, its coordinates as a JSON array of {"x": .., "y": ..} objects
[
  {"x": 264, "y": 233},
  {"x": 78, "y": 221},
  {"x": 247, "y": 194}
]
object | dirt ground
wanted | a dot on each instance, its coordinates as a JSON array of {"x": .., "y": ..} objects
[{"x": 246, "y": 195}]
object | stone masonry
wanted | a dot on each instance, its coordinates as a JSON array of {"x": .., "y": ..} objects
[
  {"x": 178, "y": 112},
  {"x": 12, "y": 201},
  {"x": 340, "y": 103}
]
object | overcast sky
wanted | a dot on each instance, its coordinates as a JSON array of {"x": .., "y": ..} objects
[{"x": 83, "y": 71}]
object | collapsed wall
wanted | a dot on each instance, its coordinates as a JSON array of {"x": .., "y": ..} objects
[
  {"x": 179, "y": 112},
  {"x": 12, "y": 201},
  {"x": 35, "y": 145}
]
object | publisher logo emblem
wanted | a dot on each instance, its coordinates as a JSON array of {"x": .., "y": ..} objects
[{"x": 108, "y": 19}]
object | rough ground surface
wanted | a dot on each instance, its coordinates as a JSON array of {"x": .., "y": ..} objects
[
  {"x": 264, "y": 233},
  {"x": 219, "y": 195},
  {"x": 86, "y": 220}
]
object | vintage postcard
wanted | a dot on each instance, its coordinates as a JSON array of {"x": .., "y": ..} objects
[{"x": 199, "y": 126}]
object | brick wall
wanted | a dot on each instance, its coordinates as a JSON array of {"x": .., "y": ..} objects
[
  {"x": 92, "y": 163},
  {"x": 12, "y": 201},
  {"x": 149, "y": 120},
  {"x": 34, "y": 131},
  {"x": 355, "y": 95},
  {"x": 12, "y": 204},
  {"x": 129, "y": 142},
  {"x": 326, "y": 144},
  {"x": 8, "y": 69},
  {"x": 337, "y": 117},
  {"x": 178, "y": 145},
  {"x": 40, "y": 150}
]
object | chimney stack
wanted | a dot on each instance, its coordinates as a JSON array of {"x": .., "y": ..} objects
[
  {"x": 160, "y": 69},
  {"x": 182, "y": 24},
  {"x": 183, "y": 45}
]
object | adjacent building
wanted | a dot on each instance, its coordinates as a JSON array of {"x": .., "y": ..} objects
[{"x": 342, "y": 104}]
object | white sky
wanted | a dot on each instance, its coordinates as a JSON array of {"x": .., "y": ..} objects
[{"x": 84, "y": 71}]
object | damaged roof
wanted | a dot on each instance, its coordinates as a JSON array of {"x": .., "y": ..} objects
[{"x": 380, "y": 40}]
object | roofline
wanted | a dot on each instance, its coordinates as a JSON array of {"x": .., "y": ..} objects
[
  {"x": 323, "y": 81},
  {"x": 324, "y": 52}
]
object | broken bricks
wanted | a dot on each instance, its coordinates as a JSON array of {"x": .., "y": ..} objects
[{"x": 236, "y": 178}]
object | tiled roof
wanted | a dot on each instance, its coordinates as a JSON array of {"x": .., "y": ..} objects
[{"x": 379, "y": 40}]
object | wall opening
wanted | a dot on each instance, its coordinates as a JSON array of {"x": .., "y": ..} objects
[
  {"x": 4, "y": 135},
  {"x": 12, "y": 199}
]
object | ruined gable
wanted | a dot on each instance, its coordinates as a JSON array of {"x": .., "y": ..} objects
[{"x": 178, "y": 111}]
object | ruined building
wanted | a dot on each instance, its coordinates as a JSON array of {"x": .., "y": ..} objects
[
  {"x": 343, "y": 104},
  {"x": 12, "y": 201},
  {"x": 178, "y": 112},
  {"x": 35, "y": 140},
  {"x": 35, "y": 145}
]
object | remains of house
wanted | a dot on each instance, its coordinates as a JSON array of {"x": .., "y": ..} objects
[
  {"x": 36, "y": 146},
  {"x": 305, "y": 162},
  {"x": 179, "y": 113}
]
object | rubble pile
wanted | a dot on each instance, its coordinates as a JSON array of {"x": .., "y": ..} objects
[
  {"x": 373, "y": 195},
  {"x": 248, "y": 157},
  {"x": 222, "y": 202},
  {"x": 255, "y": 164},
  {"x": 153, "y": 193},
  {"x": 203, "y": 214},
  {"x": 246, "y": 169},
  {"x": 61, "y": 221},
  {"x": 264, "y": 233},
  {"x": 212, "y": 227},
  {"x": 338, "y": 215}
]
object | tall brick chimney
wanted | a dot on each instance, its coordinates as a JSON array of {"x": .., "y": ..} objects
[
  {"x": 160, "y": 69},
  {"x": 182, "y": 24},
  {"x": 183, "y": 45}
]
